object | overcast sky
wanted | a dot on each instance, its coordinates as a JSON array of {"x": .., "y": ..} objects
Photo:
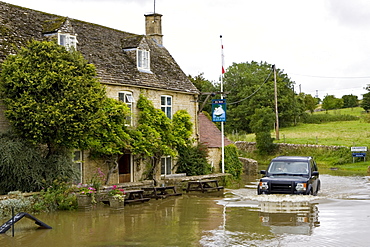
[{"x": 322, "y": 45}]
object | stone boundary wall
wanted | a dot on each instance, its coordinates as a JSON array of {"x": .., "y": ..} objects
[{"x": 251, "y": 146}]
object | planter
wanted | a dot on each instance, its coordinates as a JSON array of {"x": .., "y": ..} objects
[
  {"x": 84, "y": 201},
  {"x": 116, "y": 203}
]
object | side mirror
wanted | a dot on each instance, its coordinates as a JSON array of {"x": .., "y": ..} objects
[
  {"x": 263, "y": 172},
  {"x": 315, "y": 173}
]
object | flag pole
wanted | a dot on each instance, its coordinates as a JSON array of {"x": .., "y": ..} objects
[{"x": 222, "y": 123}]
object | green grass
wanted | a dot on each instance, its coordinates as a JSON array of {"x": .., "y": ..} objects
[{"x": 343, "y": 133}]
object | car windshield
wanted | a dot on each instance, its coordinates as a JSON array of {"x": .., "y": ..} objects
[{"x": 292, "y": 168}]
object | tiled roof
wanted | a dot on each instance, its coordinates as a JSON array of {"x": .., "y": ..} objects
[
  {"x": 209, "y": 134},
  {"x": 106, "y": 48}
]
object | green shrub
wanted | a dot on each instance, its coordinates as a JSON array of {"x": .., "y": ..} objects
[
  {"x": 193, "y": 160},
  {"x": 323, "y": 118},
  {"x": 58, "y": 196},
  {"x": 18, "y": 202},
  {"x": 232, "y": 163}
]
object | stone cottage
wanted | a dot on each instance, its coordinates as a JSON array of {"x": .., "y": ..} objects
[{"x": 127, "y": 64}]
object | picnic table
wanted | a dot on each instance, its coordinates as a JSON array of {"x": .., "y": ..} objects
[
  {"x": 160, "y": 192},
  {"x": 133, "y": 196},
  {"x": 204, "y": 186}
]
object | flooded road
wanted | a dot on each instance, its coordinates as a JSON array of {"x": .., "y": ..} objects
[{"x": 338, "y": 216}]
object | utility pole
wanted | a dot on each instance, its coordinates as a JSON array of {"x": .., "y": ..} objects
[{"x": 276, "y": 106}]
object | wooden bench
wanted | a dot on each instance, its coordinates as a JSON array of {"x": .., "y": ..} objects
[
  {"x": 160, "y": 192},
  {"x": 204, "y": 185},
  {"x": 133, "y": 196}
]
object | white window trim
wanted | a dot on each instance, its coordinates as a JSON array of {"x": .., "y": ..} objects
[
  {"x": 70, "y": 40},
  {"x": 143, "y": 60},
  {"x": 166, "y": 172},
  {"x": 128, "y": 100},
  {"x": 79, "y": 163},
  {"x": 164, "y": 107}
]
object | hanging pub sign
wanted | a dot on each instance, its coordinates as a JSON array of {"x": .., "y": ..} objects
[{"x": 219, "y": 110}]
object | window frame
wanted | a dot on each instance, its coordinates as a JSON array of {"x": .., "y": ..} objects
[
  {"x": 78, "y": 162},
  {"x": 69, "y": 40},
  {"x": 129, "y": 100},
  {"x": 143, "y": 59},
  {"x": 167, "y": 107},
  {"x": 166, "y": 165}
]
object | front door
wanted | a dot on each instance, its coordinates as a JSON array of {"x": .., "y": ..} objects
[{"x": 124, "y": 168}]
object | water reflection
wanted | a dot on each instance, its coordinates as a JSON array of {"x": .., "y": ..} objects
[{"x": 289, "y": 217}]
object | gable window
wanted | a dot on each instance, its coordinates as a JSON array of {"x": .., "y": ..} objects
[
  {"x": 166, "y": 105},
  {"x": 126, "y": 97},
  {"x": 67, "y": 40},
  {"x": 143, "y": 60},
  {"x": 166, "y": 165}
]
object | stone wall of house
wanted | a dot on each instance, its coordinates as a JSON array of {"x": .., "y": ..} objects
[
  {"x": 214, "y": 158},
  {"x": 180, "y": 101}
]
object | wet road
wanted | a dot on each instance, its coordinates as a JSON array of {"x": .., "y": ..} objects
[{"x": 339, "y": 216}]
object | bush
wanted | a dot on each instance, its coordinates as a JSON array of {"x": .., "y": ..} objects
[
  {"x": 323, "y": 118},
  {"x": 24, "y": 168},
  {"x": 193, "y": 160},
  {"x": 232, "y": 163},
  {"x": 58, "y": 196}
]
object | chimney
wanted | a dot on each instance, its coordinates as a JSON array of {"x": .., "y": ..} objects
[{"x": 153, "y": 27}]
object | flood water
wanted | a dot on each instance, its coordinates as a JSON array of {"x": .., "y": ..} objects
[{"x": 338, "y": 216}]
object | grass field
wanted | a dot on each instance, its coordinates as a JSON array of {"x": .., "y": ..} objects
[{"x": 344, "y": 133}]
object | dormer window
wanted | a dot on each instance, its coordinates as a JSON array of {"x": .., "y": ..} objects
[
  {"x": 143, "y": 60},
  {"x": 67, "y": 40}
]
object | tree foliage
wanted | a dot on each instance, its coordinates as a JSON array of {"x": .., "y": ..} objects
[
  {"x": 156, "y": 135},
  {"x": 193, "y": 160},
  {"x": 52, "y": 95},
  {"x": 24, "y": 168},
  {"x": 111, "y": 135},
  {"x": 261, "y": 123},
  {"x": 251, "y": 86},
  {"x": 208, "y": 91},
  {"x": 330, "y": 102},
  {"x": 366, "y": 102},
  {"x": 310, "y": 102},
  {"x": 350, "y": 101}
]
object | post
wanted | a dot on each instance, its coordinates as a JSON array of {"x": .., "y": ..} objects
[
  {"x": 222, "y": 123},
  {"x": 276, "y": 106},
  {"x": 12, "y": 221}
]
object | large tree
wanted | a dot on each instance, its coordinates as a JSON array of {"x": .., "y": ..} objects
[
  {"x": 52, "y": 96},
  {"x": 350, "y": 101},
  {"x": 208, "y": 91},
  {"x": 365, "y": 103},
  {"x": 251, "y": 86},
  {"x": 330, "y": 102}
]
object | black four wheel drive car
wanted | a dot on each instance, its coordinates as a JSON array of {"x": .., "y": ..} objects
[{"x": 290, "y": 175}]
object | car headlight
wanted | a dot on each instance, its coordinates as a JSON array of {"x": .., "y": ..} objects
[
  {"x": 301, "y": 187},
  {"x": 263, "y": 185}
]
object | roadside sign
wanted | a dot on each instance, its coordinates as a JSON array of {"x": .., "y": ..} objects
[
  {"x": 219, "y": 110},
  {"x": 362, "y": 155},
  {"x": 358, "y": 149}
]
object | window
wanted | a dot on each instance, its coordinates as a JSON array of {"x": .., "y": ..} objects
[
  {"x": 143, "y": 60},
  {"x": 67, "y": 40},
  {"x": 126, "y": 97},
  {"x": 166, "y": 165},
  {"x": 166, "y": 105},
  {"x": 77, "y": 159}
]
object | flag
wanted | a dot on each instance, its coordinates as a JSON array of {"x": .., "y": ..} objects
[{"x": 222, "y": 57}]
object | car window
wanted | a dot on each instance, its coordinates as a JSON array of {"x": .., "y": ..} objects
[{"x": 288, "y": 167}]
